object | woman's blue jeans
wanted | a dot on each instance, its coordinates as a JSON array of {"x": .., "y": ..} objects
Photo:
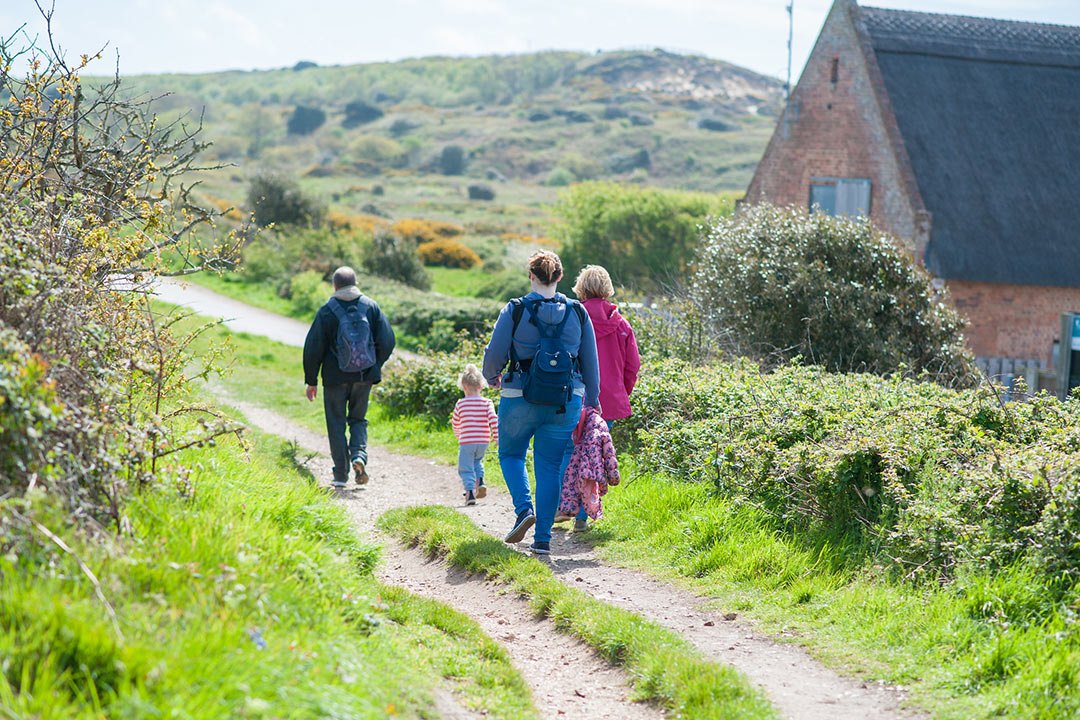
[{"x": 520, "y": 422}]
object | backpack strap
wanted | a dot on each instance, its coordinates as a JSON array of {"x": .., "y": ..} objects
[
  {"x": 515, "y": 315},
  {"x": 535, "y": 319},
  {"x": 338, "y": 308}
]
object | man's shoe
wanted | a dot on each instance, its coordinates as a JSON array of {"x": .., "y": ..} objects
[
  {"x": 337, "y": 484},
  {"x": 541, "y": 548},
  {"x": 470, "y": 499},
  {"x": 561, "y": 517},
  {"x": 525, "y": 520},
  {"x": 481, "y": 489},
  {"x": 361, "y": 471},
  {"x": 580, "y": 525}
]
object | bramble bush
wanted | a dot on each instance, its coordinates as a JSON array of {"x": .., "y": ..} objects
[
  {"x": 836, "y": 291},
  {"x": 91, "y": 194},
  {"x": 428, "y": 388},
  {"x": 925, "y": 479}
]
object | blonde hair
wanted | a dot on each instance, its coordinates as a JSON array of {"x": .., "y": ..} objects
[
  {"x": 471, "y": 377},
  {"x": 546, "y": 266},
  {"x": 594, "y": 282}
]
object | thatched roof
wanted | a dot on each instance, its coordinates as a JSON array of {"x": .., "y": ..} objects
[{"x": 989, "y": 111}]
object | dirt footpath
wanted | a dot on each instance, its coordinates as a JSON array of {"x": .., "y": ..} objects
[{"x": 565, "y": 676}]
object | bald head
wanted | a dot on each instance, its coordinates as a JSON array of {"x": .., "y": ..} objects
[{"x": 344, "y": 277}]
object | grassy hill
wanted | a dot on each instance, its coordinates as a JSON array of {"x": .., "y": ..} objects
[{"x": 526, "y": 124}]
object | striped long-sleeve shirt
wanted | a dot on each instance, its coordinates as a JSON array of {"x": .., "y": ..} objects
[{"x": 474, "y": 420}]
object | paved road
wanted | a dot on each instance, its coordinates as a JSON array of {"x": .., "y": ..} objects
[{"x": 238, "y": 316}]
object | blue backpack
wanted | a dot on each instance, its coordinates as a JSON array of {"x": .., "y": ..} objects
[
  {"x": 547, "y": 379},
  {"x": 355, "y": 347}
]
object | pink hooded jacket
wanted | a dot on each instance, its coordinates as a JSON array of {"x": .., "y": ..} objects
[
  {"x": 593, "y": 466},
  {"x": 617, "y": 350}
]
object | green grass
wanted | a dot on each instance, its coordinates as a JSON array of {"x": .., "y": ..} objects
[
  {"x": 456, "y": 281},
  {"x": 663, "y": 667},
  {"x": 241, "y": 591},
  {"x": 957, "y": 647}
]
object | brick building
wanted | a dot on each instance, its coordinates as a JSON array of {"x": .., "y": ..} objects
[{"x": 959, "y": 135}]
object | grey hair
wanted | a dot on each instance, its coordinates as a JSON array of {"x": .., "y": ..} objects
[{"x": 344, "y": 276}]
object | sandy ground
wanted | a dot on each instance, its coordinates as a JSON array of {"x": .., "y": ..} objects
[{"x": 565, "y": 676}]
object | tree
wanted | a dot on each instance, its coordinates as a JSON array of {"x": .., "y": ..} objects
[
  {"x": 645, "y": 237},
  {"x": 785, "y": 282},
  {"x": 452, "y": 160},
  {"x": 359, "y": 112},
  {"x": 305, "y": 120}
]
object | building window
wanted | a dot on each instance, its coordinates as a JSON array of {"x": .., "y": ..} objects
[
  {"x": 840, "y": 196},
  {"x": 834, "y": 71}
]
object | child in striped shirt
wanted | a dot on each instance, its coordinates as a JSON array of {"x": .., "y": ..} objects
[{"x": 475, "y": 425}]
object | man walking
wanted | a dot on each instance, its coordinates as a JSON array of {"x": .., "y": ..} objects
[{"x": 350, "y": 340}]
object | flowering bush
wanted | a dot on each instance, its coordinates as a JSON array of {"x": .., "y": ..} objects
[{"x": 447, "y": 253}]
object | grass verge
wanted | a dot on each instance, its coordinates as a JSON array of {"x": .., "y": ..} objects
[
  {"x": 663, "y": 667},
  {"x": 241, "y": 591},
  {"x": 957, "y": 647}
]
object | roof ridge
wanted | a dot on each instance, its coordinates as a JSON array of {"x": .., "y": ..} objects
[
  {"x": 978, "y": 18},
  {"x": 971, "y": 37}
]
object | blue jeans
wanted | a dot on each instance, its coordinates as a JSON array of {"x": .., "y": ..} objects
[
  {"x": 519, "y": 422},
  {"x": 470, "y": 464},
  {"x": 346, "y": 405},
  {"x": 582, "y": 515}
]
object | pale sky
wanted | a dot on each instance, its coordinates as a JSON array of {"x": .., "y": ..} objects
[{"x": 205, "y": 35}]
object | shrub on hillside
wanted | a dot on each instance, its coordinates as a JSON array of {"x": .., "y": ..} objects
[
  {"x": 447, "y": 253},
  {"x": 479, "y": 191},
  {"x": 559, "y": 177},
  {"x": 393, "y": 256},
  {"x": 377, "y": 149},
  {"x": 359, "y": 112},
  {"x": 422, "y": 231},
  {"x": 646, "y": 238},
  {"x": 452, "y": 160},
  {"x": 305, "y": 120},
  {"x": 276, "y": 199},
  {"x": 834, "y": 291},
  {"x": 583, "y": 168}
]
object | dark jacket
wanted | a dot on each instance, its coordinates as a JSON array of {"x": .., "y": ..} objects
[{"x": 322, "y": 337}]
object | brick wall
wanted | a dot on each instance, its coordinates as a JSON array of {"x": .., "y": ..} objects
[
  {"x": 836, "y": 130},
  {"x": 1017, "y": 321}
]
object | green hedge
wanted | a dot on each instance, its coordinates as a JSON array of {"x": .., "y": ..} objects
[{"x": 925, "y": 478}]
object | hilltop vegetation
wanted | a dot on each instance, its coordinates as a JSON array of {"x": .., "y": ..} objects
[{"x": 701, "y": 123}]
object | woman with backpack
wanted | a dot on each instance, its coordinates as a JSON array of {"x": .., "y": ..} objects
[{"x": 547, "y": 346}]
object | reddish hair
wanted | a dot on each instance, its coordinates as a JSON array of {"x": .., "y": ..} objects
[{"x": 546, "y": 266}]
